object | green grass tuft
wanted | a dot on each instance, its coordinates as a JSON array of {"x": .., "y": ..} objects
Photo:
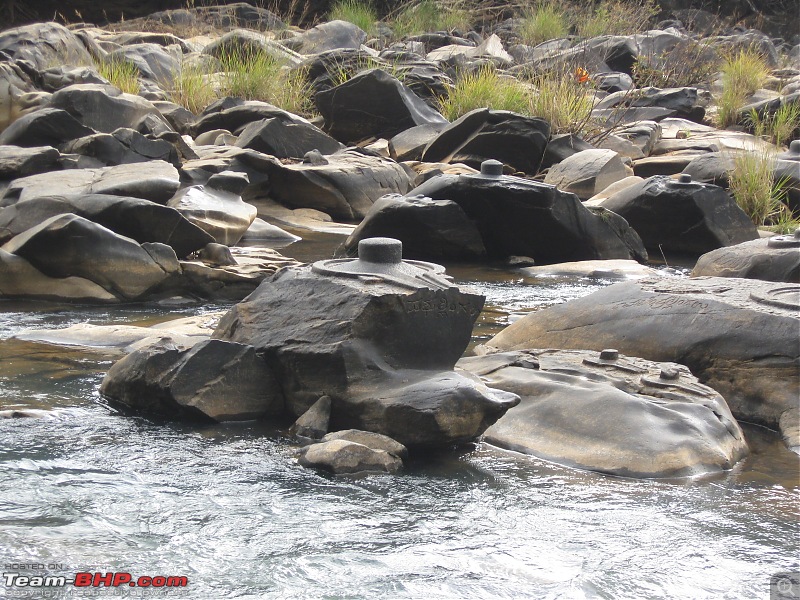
[
  {"x": 564, "y": 102},
  {"x": 742, "y": 74},
  {"x": 121, "y": 74},
  {"x": 425, "y": 16},
  {"x": 757, "y": 194},
  {"x": 361, "y": 14},
  {"x": 542, "y": 23},
  {"x": 485, "y": 89},
  {"x": 779, "y": 127}
]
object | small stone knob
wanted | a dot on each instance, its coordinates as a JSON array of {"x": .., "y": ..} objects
[
  {"x": 609, "y": 354},
  {"x": 794, "y": 147},
  {"x": 684, "y": 178},
  {"x": 381, "y": 250},
  {"x": 491, "y": 168},
  {"x": 797, "y": 233},
  {"x": 670, "y": 374}
]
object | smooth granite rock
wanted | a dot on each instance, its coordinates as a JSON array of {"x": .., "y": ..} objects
[{"x": 771, "y": 259}]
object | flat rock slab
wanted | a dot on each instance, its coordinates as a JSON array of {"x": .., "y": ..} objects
[
  {"x": 739, "y": 336},
  {"x": 594, "y": 269},
  {"x": 155, "y": 180},
  {"x": 619, "y": 415}
]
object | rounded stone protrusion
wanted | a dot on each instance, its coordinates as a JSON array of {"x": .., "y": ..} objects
[
  {"x": 381, "y": 250},
  {"x": 670, "y": 374},
  {"x": 794, "y": 147},
  {"x": 684, "y": 178},
  {"x": 785, "y": 241},
  {"x": 609, "y": 354},
  {"x": 491, "y": 168}
]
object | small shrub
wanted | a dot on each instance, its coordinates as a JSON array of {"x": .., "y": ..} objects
[
  {"x": 425, "y": 16},
  {"x": 121, "y": 74},
  {"x": 751, "y": 183},
  {"x": 778, "y": 127},
  {"x": 542, "y": 23},
  {"x": 485, "y": 89},
  {"x": 192, "y": 89},
  {"x": 742, "y": 74},
  {"x": 358, "y": 13},
  {"x": 689, "y": 64},
  {"x": 563, "y": 101}
]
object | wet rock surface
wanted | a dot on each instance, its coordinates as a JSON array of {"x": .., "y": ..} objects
[
  {"x": 739, "y": 336},
  {"x": 771, "y": 259},
  {"x": 610, "y": 413}
]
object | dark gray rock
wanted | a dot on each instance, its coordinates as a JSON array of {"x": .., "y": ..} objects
[
  {"x": 216, "y": 255},
  {"x": 153, "y": 180},
  {"x": 44, "y": 127},
  {"x": 483, "y": 134},
  {"x": 610, "y": 413},
  {"x": 212, "y": 381},
  {"x": 345, "y": 457},
  {"x": 409, "y": 144},
  {"x": 19, "y": 162},
  {"x": 588, "y": 172},
  {"x": 122, "y": 147},
  {"x": 685, "y": 102},
  {"x": 436, "y": 230},
  {"x": 344, "y": 186},
  {"x": 328, "y": 36},
  {"x": 234, "y": 114},
  {"x": 246, "y": 43},
  {"x": 44, "y": 45},
  {"x": 561, "y": 147},
  {"x": 770, "y": 259},
  {"x": 314, "y": 422},
  {"x": 382, "y": 346},
  {"x": 68, "y": 245},
  {"x": 687, "y": 218},
  {"x": 373, "y": 104},
  {"x": 103, "y": 107},
  {"x": 738, "y": 336},
  {"x": 138, "y": 219},
  {"x": 286, "y": 140},
  {"x": 151, "y": 61},
  {"x": 520, "y": 217}
]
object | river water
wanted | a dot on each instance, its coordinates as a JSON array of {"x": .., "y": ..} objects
[{"x": 86, "y": 489}]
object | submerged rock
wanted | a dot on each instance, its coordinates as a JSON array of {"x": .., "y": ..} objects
[
  {"x": 610, "y": 413},
  {"x": 739, "y": 336}
]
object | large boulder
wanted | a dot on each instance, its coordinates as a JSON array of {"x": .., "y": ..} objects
[
  {"x": 771, "y": 259},
  {"x": 68, "y": 245},
  {"x": 609, "y": 413},
  {"x": 373, "y": 104},
  {"x": 19, "y": 162},
  {"x": 483, "y": 134},
  {"x": 44, "y": 45},
  {"x": 328, "y": 36},
  {"x": 44, "y": 127},
  {"x": 283, "y": 139},
  {"x": 233, "y": 114},
  {"x": 154, "y": 180},
  {"x": 436, "y": 230},
  {"x": 684, "y": 102},
  {"x": 141, "y": 220},
  {"x": 380, "y": 337},
  {"x": 344, "y": 184},
  {"x": 151, "y": 61},
  {"x": 217, "y": 207},
  {"x": 682, "y": 216},
  {"x": 588, "y": 172},
  {"x": 520, "y": 217},
  {"x": 739, "y": 336},
  {"x": 123, "y": 146},
  {"x": 104, "y": 108},
  {"x": 213, "y": 380}
]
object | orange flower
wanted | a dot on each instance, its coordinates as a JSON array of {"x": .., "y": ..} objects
[{"x": 582, "y": 75}]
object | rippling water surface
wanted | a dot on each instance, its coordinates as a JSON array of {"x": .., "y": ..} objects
[{"x": 228, "y": 506}]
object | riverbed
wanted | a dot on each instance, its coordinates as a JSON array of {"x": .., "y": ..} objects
[{"x": 85, "y": 488}]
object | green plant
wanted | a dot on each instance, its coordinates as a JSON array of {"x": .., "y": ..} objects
[
  {"x": 779, "y": 127},
  {"x": 563, "y": 101},
  {"x": 542, "y": 22},
  {"x": 192, "y": 89},
  {"x": 424, "y": 16},
  {"x": 361, "y": 14},
  {"x": 743, "y": 73},
  {"x": 484, "y": 88},
  {"x": 753, "y": 187},
  {"x": 120, "y": 73}
]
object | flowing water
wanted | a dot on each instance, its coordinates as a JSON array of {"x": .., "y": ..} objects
[{"x": 83, "y": 488}]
